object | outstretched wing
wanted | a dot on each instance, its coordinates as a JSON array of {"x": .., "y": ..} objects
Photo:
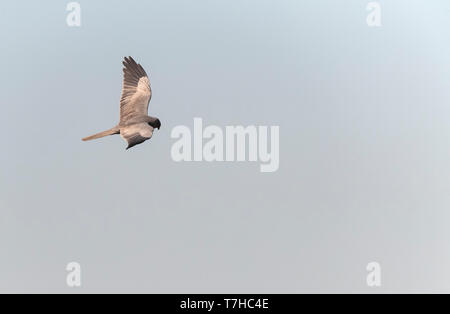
[
  {"x": 136, "y": 91},
  {"x": 136, "y": 133}
]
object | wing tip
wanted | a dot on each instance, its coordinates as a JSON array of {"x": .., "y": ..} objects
[{"x": 129, "y": 63}]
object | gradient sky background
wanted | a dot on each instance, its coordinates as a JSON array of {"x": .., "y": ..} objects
[{"x": 364, "y": 147}]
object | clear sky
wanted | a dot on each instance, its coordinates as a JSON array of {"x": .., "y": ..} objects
[{"x": 364, "y": 147}]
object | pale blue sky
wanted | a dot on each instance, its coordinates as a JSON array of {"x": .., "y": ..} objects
[{"x": 364, "y": 155}]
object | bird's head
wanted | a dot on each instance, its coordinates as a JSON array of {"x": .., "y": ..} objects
[{"x": 156, "y": 124}]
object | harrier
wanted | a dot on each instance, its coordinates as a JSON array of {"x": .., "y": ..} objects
[{"x": 135, "y": 125}]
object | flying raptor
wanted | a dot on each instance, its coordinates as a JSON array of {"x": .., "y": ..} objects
[{"x": 135, "y": 125}]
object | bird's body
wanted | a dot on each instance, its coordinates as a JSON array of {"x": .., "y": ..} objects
[{"x": 135, "y": 125}]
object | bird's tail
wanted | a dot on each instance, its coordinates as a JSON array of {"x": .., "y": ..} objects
[{"x": 114, "y": 130}]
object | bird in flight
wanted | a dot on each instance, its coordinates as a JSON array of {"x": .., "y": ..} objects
[{"x": 135, "y": 125}]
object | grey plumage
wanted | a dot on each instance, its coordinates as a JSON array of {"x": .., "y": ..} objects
[{"x": 135, "y": 126}]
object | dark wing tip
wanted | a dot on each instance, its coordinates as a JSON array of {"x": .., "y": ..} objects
[{"x": 133, "y": 66}]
